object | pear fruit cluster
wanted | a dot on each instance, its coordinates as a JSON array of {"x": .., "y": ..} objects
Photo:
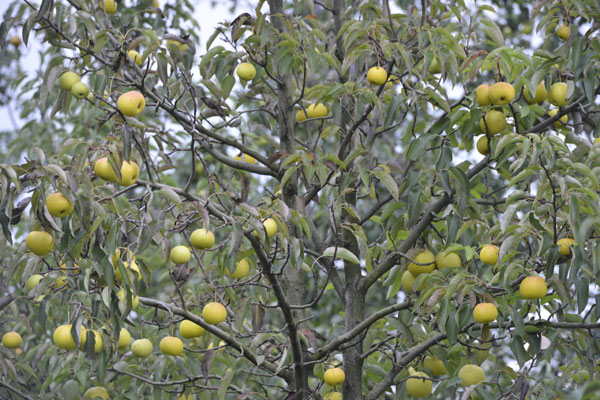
[{"x": 425, "y": 262}]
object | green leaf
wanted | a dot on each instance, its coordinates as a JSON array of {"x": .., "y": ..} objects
[
  {"x": 341, "y": 252},
  {"x": 388, "y": 182}
]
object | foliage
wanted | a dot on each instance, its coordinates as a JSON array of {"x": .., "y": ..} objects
[{"x": 356, "y": 195}]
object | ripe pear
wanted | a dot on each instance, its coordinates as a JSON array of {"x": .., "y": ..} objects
[
  {"x": 15, "y": 41},
  {"x": 242, "y": 268},
  {"x": 483, "y": 145},
  {"x": 96, "y": 391},
  {"x": 541, "y": 94},
  {"x": 135, "y": 300},
  {"x": 334, "y": 376},
  {"x": 109, "y": 5},
  {"x": 131, "y": 103},
  {"x": 377, "y": 76},
  {"x": 495, "y": 120},
  {"x": 563, "y": 32},
  {"x": 418, "y": 388},
  {"x": 189, "y": 329},
  {"x": 471, "y": 374},
  {"x": 489, "y": 254},
  {"x": 533, "y": 287},
  {"x": 135, "y": 56},
  {"x": 124, "y": 338},
  {"x": 408, "y": 282},
  {"x": 301, "y": 116},
  {"x": 171, "y": 346},
  {"x": 558, "y": 94},
  {"x": 39, "y": 242},
  {"x": 68, "y": 79},
  {"x": 129, "y": 264},
  {"x": 214, "y": 313},
  {"x": 11, "y": 340},
  {"x": 436, "y": 366},
  {"x": 502, "y": 93},
  {"x": 104, "y": 170},
  {"x": 246, "y": 71},
  {"x": 559, "y": 123},
  {"x": 33, "y": 281},
  {"x": 63, "y": 339},
  {"x": 564, "y": 246},
  {"x": 333, "y": 396},
  {"x": 425, "y": 257},
  {"x": 80, "y": 90},
  {"x": 142, "y": 348},
  {"x": 245, "y": 158},
  {"x": 98, "y": 343},
  {"x": 447, "y": 259},
  {"x": 130, "y": 172},
  {"x": 270, "y": 227},
  {"x": 316, "y": 111},
  {"x": 58, "y": 205},
  {"x": 202, "y": 239},
  {"x": 484, "y": 313},
  {"x": 180, "y": 254},
  {"x": 482, "y": 95}
]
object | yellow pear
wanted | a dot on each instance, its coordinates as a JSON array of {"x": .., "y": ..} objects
[
  {"x": 333, "y": 396},
  {"x": 202, "y": 239},
  {"x": 408, "y": 282},
  {"x": 245, "y": 158},
  {"x": 96, "y": 391},
  {"x": 11, "y": 340},
  {"x": 130, "y": 173},
  {"x": 142, "y": 348},
  {"x": 33, "y": 281},
  {"x": 109, "y": 5},
  {"x": 447, "y": 259},
  {"x": 242, "y": 268},
  {"x": 98, "y": 343},
  {"x": 270, "y": 227},
  {"x": 489, "y": 254},
  {"x": 541, "y": 94},
  {"x": 135, "y": 300},
  {"x": 189, "y": 329},
  {"x": 483, "y": 145},
  {"x": 533, "y": 287},
  {"x": 425, "y": 257},
  {"x": 564, "y": 246},
  {"x": 129, "y": 264},
  {"x": 124, "y": 338},
  {"x": 58, "y": 205},
  {"x": 502, "y": 93},
  {"x": 301, "y": 116},
  {"x": 436, "y": 366},
  {"x": 214, "y": 313},
  {"x": 558, "y": 94},
  {"x": 558, "y": 124},
  {"x": 131, "y": 103},
  {"x": 495, "y": 120},
  {"x": 39, "y": 242},
  {"x": 482, "y": 95},
  {"x": 246, "y": 71},
  {"x": 471, "y": 375},
  {"x": 418, "y": 388},
  {"x": 171, "y": 346},
  {"x": 484, "y": 313},
  {"x": 63, "y": 339},
  {"x": 334, "y": 376},
  {"x": 377, "y": 76},
  {"x": 563, "y": 32},
  {"x": 103, "y": 169},
  {"x": 135, "y": 56},
  {"x": 68, "y": 79},
  {"x": 316, "y": 111},
  {"x": 180, "y": 254}
]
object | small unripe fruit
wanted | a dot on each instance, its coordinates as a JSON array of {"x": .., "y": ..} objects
[{"x": 142, "y": 348}]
